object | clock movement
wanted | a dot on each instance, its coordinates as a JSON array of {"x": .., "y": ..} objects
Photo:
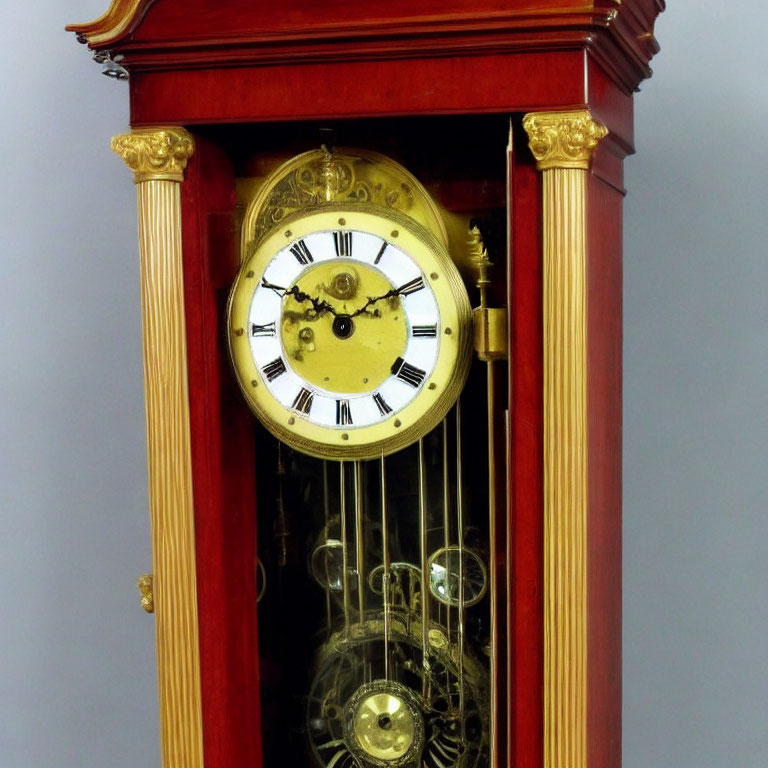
[{"x": 381, "y": 289}]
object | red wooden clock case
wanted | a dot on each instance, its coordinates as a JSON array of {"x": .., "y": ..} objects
[{"x": 227, "y": 69}]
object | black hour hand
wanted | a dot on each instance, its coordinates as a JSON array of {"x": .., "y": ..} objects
[{"x": 319, "y": 305}]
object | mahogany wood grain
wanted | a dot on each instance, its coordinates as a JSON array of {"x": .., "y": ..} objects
[
  {"x": 168, "y": 34},
  {"x": 604, "y": 380},
  {"x": 611, "y": 106},
  {"x": 344, "y": 90},
  {"x": 526, "y": 622},
  {"x": 223, "y": 461}
]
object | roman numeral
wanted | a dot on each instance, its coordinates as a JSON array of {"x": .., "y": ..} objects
[
  {"x": 343, "y": 412},
  {"x": 382, "y": 404},
  {"x": 303, "y": 401},
  {"x": 274, "y": 369},
  {"x": 381, "y": 252},
  {"x": 408, "y": 373},
  {"x": 342, "y": 241},
  {"x": 263, "y": 330},
  {"x": 301, "y": 252},
  {"x": 411, "y": 286},
  {"x": 424, "y": 331}
]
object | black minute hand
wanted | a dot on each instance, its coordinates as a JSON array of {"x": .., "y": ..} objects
[
  {"x": 319, "y": 305},
  {"x": 388, "y": 295}
]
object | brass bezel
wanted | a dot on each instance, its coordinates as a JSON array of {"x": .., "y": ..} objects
[
  {"x": 430, "y": 404},
  {"x": 409, "y": 702}
]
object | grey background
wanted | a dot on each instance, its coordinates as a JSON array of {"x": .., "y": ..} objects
[{"x": 77, "y": 677}]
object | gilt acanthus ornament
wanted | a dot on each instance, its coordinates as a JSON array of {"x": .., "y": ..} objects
[
  {"x": 563, "y": 139},
  {"x": 144, "y": 584},
  {"x": 155, "y": 153}
]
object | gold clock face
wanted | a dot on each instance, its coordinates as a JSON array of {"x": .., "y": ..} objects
[{"x": 349, "y": 330}]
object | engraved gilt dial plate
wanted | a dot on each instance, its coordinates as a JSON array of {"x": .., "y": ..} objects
[{"x": 350, "y": 331}]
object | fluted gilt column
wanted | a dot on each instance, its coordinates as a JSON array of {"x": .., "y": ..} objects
[
  {"x": 158, "y": 157},
  {"x": 563, "y": 143}
]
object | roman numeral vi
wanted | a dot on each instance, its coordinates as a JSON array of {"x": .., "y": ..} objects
[{"x": 343, "y": 412}]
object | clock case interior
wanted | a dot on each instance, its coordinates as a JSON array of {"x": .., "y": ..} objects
[{"x": 312, "y": 656}]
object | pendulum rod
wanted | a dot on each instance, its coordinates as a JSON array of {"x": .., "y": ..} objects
[
  {"x": 327, "y": 516},
  {"x": 360, "y": 552},
  {"x": 508, "y": 659},
  {"x": 281, "y": 530},
  {"x": 424, "y": 574},
  {"x": 446, "y": 521},
  {"x": 493, "y": 349},
  {"x": 385, "y": 578},
  {"x": 460, "y": 547},
  {"x": 446, "y": 489},
  {"x": 359, "y": 538},
  {"x": 344, "y": 554},
  {"x": 493, "y": 567}
]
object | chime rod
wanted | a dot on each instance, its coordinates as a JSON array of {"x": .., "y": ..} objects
[
  {"x": 360, "y": 550},
  {"x": 446, "y": 488},
  {"x": 359, "y": 538},
  {"x": 344, "y": 553},
  {"x": 281, "y": 531},
  {"x": 493, "y": 565},
  {"x": 327, "y": 515},
  {"x": 385, "y": 578},
  {"x": 424, "y": 556},
  {"x": 460, "y": 544},
  {"x": 446, "y": 518}
]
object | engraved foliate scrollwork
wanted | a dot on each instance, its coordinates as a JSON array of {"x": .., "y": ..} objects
[
  {"x": 155, "y": 153},
  {"x": 331, "y": 177},
  {"x": 563, "y": 139},
  {"x": 327, "y": 178}
]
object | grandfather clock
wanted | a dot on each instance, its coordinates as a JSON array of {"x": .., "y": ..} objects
[{"x": 381, "y": 288}]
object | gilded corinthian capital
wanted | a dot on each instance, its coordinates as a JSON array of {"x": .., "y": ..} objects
[
  {"x": 563, "y": 139},
  {"x": 155, "y": 153}
]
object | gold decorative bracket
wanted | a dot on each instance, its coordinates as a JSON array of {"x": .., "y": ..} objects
[
  {"x": 563, "y": 144},
  {"x": 144, "y": 584},
  {"x": 157, "y": 157}
]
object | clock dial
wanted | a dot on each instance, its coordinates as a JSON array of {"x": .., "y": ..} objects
[
  {"x": 365, "y": 341},
  {"x": 357, "y": 336}
]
